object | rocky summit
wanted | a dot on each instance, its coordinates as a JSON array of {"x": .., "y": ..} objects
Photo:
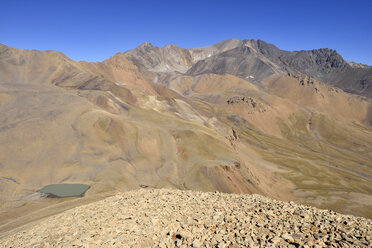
[{"x": 175, "y": 218}]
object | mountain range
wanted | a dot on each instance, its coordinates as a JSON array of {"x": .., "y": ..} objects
[
  {"x": 255, "y": 58},
  {"x": 239, "y": 116}
]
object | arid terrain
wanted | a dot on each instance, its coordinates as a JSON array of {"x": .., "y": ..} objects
[
  {"x": 234, "y": 117},
  {"x": 174, "y": 218}
]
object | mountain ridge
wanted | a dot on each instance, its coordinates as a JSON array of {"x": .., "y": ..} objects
[
  {"x": 331, "y": 62},
  {"x": 258, "y": 59}
]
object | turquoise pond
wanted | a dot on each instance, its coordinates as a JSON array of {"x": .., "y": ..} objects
[{"x": 65, "y": 190}]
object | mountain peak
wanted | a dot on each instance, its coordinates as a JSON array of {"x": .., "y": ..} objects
[
  {"x": 262, "y": 47},
  {"x": 145, "y": 45},
  {"x": 329, "y": 57}
]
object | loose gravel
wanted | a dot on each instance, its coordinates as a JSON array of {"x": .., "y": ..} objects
[{"x": 174, "y": 218}]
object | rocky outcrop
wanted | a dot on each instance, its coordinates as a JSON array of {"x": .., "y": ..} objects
[
  {"x": 174, "y": 218},
  {"x": 252, "y": 104}
]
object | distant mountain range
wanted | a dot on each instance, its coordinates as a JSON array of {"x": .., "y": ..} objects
[{"x": 255, "y": 59}]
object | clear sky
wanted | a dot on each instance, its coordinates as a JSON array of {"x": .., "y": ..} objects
[{"x": 95, "y": 30}]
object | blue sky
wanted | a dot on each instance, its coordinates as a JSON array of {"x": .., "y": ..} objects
[{"x": 95, "y": 30}]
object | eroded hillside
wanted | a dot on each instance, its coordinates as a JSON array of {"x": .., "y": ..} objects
[{"x": 172, "y": 117}]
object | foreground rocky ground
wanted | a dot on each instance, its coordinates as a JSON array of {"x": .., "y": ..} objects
[{"x": 174, "y": 218}]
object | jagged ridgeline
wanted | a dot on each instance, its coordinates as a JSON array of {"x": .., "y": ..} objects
[{"x": 236, "y": 117}]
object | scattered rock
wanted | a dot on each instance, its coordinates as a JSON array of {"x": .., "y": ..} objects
[{"x": 174, "y": 218}]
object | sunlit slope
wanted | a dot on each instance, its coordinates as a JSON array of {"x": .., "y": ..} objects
[
  {"x": 106, "y": 126},
  {"x": 313, "y": 135},
  {"x": 325, "y": 175}
]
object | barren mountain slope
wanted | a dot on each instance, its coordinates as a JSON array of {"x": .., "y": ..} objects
[
  {"x": 316, "y": 138},
  {"x": 102, "y": 124},
  {"x": 313, "y": 131},
  {"x": 128, "y": 122}
]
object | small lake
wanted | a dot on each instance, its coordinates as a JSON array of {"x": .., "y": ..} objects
[{"x": 65, "y": 190}]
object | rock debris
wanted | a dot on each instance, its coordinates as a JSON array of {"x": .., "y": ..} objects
[{"x": 175, "y": 218}]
